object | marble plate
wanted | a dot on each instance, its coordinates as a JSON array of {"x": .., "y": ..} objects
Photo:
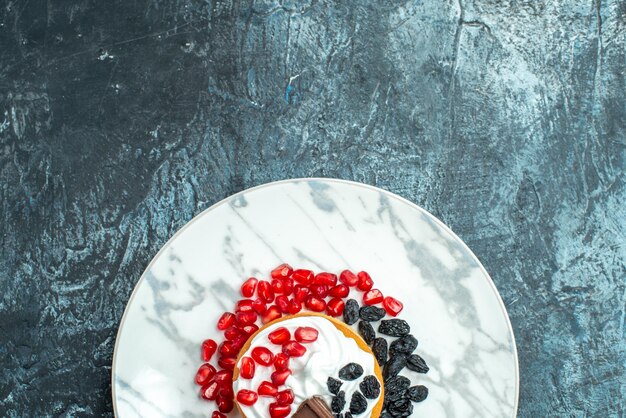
[{"x": 452, "y": 304}]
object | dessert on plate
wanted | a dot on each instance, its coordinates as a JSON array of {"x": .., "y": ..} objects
[{"x": 301, "y": 345}]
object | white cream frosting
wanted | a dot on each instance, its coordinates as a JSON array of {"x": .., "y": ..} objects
[{"x": 323, "y": 358}]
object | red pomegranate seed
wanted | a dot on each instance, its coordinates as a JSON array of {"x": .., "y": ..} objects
[
  {"x": 250, "y": 329},
  {"x": 288, "y": 285},
  {"x": 267, "y": 389},
  {"x": 217, "y": 414},
  {"x": 300, "y": 293},
  {"x": 259, "y": 306},
  {"x": 247, "y": 397},
  {"x": 246, "y": 318},
  {"x": 279, "y": 411},
  {"x": 223, "y": 376},
  {"x": 227, "y": 363},
  {"x": 272, "y": 313},
  {"x": 263, "y": 356},
  {"x": 306, "y": 334},
  {"x": 282, "y": 271},
  {"x": 265, "y": 291},
  {"x": 224, "y": 404},
  {"x": 210, "y": 390},
  {"x": 231, "y": 333},
  {"x": 282, "y": 302},
  {"x": 302, "y": 276},
  {"x": 281, "y": 362},
  {"x": 372, "y": 297},
  {"x": 226, "y": 320},
  {"x": 277, "y": 286},
  {"x": 294, "y": 349},
  {"x": 279, "y": 378},
  {"x": 247, "y": 368},
  {"x": 279, "y": 336},
  {"x": 315, "y": 304},
  {"x": 327, "y": 279},
  {"x": 226, "y": 391},
  {"x": 294, "y": 307},
  {"x": 239, "y": 342},
  {"x": 244, "y": 305},
  {"x": 208, "y": 349},
  {"x": 335, "y": 307},
  {"x": 339, "y": 291},
  {"x": 319, "y": 290},
  {"x": 285, "y": 397},
  {"x": 204, "y": 374},
  {"x": 365, "y": 281},
  {"x": 348, "y": 278},
  {"x": 227, "y": 349},
  {"x": 248, "y": 287},
  {"x": 392, "y": 305}
]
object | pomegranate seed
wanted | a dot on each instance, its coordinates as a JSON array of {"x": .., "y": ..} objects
[
  {"x": 224, "y": 404},
  {"x": 244, "y": 305},
  {"x": 303, "y": 276},
  {"x": 365, "y": 281},
  {"x": 335, "y": 307},
  {"x": 327, "y": 279},
  {"x": 277, "y": 286},
  {"x": 282, "y": 302},
  {"x": 247, "y": 397},
  {"x": 282, "y": 271},
  {"x": 279, "y": 411},
  {"x": 300, "y": 293},
  {"x": 204, "y": 374},
  {"x": 226, "y": 391},
  {"x": 306, "y": 334},
  {"x": 225, "y": 321},
  {"x": 231, "y": 333},
  {"x": 209, "y": 391},
  {"x": 288, "y": 285},
  {"x": 392, "y": 305},
  {"x": 248, "y": 287},
  {"x": 315, "y": 304},
  {"x": 227, "y": 349},
  {"x": 319, "y": 290},
  {"x": 247, "y": 368},
  {"x": 208, "y": 349},
  {"x": 339, "y": 291},
  {"x": 223, "y": 376},
  {"x": 294, "y": 307},
  {"x": 239, "y": 342},
  {"x": 267, "y": 389},
  {"x": 279, "y": 336},
  {"x": 246, "y": 318},
  {"x": 259, "y": 306},
  {"x": 294, "y": 349},
  {"x": 281, "y": 363},
  {"x": 250, "y": 329},
  {"x": 372, "y": 297},
  {"x": 348, "y": 278},
  {"x": 263, "y": 356},
  {"x": 227, "y": 363},
  {"x": 285, "y": 397},
  {"x": 279, "y": 378},
  {"x": 272, "y": 313},
  {"x": 217, "y": 414},
  {"x": 265, "y": 291}
]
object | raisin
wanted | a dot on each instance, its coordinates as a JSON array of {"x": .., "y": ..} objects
[
  {"x": 379, "y": 348},
  {"x": 371, "y": 313},
  {"x": 358, "y": 403},
  {"x": 333, "y": 385},
  {"x": 347, "y": 414},
  {"x": 417, "y": 364},
  {"x": 394, "y": 327},
  {"x": 370, "y": 387},
  {"x": 351, "y": 312},
  {"x": 403, "y": 345},
  {"x": 417, "y": 393},
  {"x": 338, "y": 402},
  {"x": 393, "y": 366},
  {"x": 350, "y": 371},
  {"x": 396, "y": 387},
  {"x": 367, "y": 332},
  {"x": 400, "y": 408},
  {"x": 385, "y": 414}
]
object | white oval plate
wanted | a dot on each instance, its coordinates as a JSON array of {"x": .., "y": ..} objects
[{"x": 450, "y": 301}]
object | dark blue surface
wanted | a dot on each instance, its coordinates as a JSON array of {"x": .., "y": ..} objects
[{"x": 121, "y": 120}]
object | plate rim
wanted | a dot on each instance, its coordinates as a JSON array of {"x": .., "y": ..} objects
[{"x": 308, "y": 180}]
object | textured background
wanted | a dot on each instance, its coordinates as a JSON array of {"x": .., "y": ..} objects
[{"x": 120, "y": 120}]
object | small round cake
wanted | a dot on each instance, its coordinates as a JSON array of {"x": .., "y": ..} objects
[{"x": 307, "y": 360}]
